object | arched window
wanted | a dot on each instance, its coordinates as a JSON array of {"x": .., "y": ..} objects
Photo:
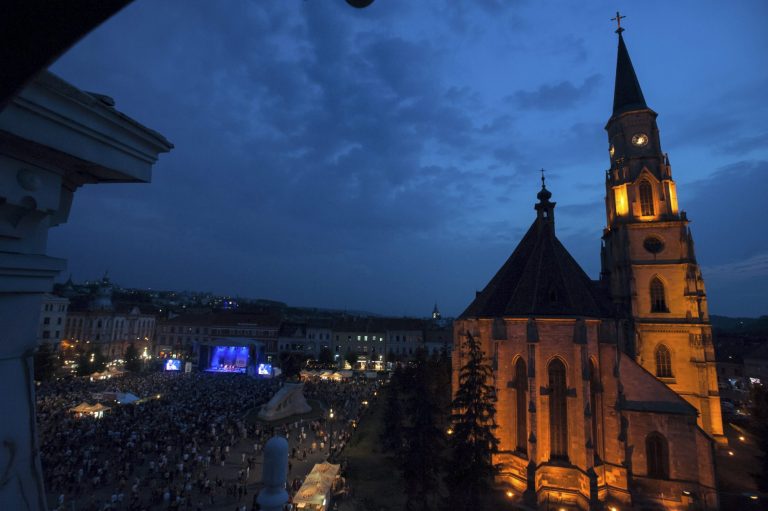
[
  {"x": 521, "y": 406},
  {"x": 594, "y": 387},
  {"x": 646, "y": 198},
  {"x": 663, "y": 362},
  {"x": 658, "y": 301},
  {"x": 657, "y": 456},
  {"x": 558, "y": 411}
]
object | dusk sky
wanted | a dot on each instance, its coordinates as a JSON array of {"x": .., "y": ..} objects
[{"x": 385, "y": 159}]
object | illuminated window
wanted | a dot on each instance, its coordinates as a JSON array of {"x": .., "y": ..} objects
[
  {"x": 663, "y": 362},
  {"x": 521, "y": 410},
  {"x": 657, "y": 454},
  {"x": 646, "y": 198},
  {"x": 558, "y": 411},
  {"x": 658, "y": 301}
]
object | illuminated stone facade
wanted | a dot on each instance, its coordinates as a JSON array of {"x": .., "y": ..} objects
[
  {"x": 648, "y": 259},
  {"x": 607, "y": 392}
]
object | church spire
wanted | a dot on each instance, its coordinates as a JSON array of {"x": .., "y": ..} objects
[{"x": 627, "y": 94}]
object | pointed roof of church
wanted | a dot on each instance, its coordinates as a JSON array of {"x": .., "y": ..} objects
[
  {"x": 627, "y": 94},
  {"x": 540, "y": 278}
]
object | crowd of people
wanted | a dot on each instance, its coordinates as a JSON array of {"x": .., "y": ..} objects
[{"x": 170, "y": 450}]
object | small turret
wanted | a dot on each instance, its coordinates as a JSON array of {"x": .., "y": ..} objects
[
  {"x": 545, "y": 210},
  {"x": 103, "y": 298}
]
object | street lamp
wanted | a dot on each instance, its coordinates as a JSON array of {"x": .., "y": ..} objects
[{"x": 330, "y": 431}]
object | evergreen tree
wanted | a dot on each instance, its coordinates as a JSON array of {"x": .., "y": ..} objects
[
  {"x": 291, "y": 363},
  {"x": 84, "y": 365},
  {"x": 440, "y": 386},
  {"x": 91, "y": 361},
  {"x": 325, "y": 356},
  {"x": 98, "y": 360},
  {"x": 351, "y": 358},
  {"x": 423, "y": 441},
  {"x": 46, "y": 362},
  {"x": 132, "y": 360},
  {"x": 392, "y": 434},
  {"x": 471, "y": 470},
  {"x": 759, "y": 398}
]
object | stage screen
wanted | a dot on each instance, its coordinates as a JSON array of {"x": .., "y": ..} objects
[
  {"x": 173, "y": 365},
  {"x": 264, "y": 370},
  {"x": 229, "y": 359}
]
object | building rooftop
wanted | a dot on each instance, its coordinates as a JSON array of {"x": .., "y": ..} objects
[{"x": 540, "y": 278}]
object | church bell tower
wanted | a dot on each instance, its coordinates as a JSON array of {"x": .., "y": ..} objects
[{"x": 648, "y": 259}]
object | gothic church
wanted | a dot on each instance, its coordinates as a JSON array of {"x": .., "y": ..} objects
[{"x": 607, "y": 391}]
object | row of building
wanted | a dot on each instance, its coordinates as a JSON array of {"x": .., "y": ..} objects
[
  {"x": 94, "y": 319},
  {"x": 368, "y": 341},
  {"x": 113, "y": 325}
]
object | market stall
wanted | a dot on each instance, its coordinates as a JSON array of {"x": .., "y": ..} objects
[
  {"x": 319, "y": 485},
  {"x": 96, "y": 411}
]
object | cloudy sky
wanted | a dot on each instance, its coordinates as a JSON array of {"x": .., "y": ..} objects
[{"x": 387, "y": 158}]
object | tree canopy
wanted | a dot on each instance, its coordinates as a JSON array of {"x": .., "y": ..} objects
[{"x": 471, "y": 470}]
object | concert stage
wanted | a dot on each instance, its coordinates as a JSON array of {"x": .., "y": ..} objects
[{"x": 228, "y": 359}]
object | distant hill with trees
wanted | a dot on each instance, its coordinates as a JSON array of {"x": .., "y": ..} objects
[{"x": 753, "y": 326}]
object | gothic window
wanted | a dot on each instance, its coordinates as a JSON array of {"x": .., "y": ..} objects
[
  {"x": 558, "y": 411},
  {"x": 594, "y": 386},
  {"x": 658, "y": 301},
  {"x": 521, "y": 408},
  {"x": 646, "y": 198},
  {"x": 657, "y": 455},
  {"x": 663, "y": 362}
]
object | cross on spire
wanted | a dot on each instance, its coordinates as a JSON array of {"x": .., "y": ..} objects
[
  {"x": 542, "y": 179},
  {"x": 618, "y": 19}
]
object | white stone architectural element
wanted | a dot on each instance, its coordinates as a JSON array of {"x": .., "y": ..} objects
[
  {"x": 273, "y": 496},
  {"x": 53, "y": 313},
  {"x": 288, "y": 401},
  {"x": 53, "y": 139},
  {"x": 111, "y": 331}
]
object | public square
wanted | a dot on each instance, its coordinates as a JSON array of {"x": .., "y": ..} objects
[{"x": 193, "y": 442}]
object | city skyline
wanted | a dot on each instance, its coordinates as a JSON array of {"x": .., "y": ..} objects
[{"x": 388, "y": 158}]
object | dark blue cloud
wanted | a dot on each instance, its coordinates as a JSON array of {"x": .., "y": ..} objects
[
  {"x": 382, "y": 158},
  {"x": 557, "y": 96}
]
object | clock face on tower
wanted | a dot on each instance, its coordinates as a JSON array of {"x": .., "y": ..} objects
[
  {"x": 611, "y": 150},
  {"x": 639, "y": 139}
]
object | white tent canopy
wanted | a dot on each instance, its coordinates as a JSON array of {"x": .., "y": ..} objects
[
  {"x": 81, "y": 408},
  {"x": 96, "y": 410},
  {"x": 315, "y": 493}
]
